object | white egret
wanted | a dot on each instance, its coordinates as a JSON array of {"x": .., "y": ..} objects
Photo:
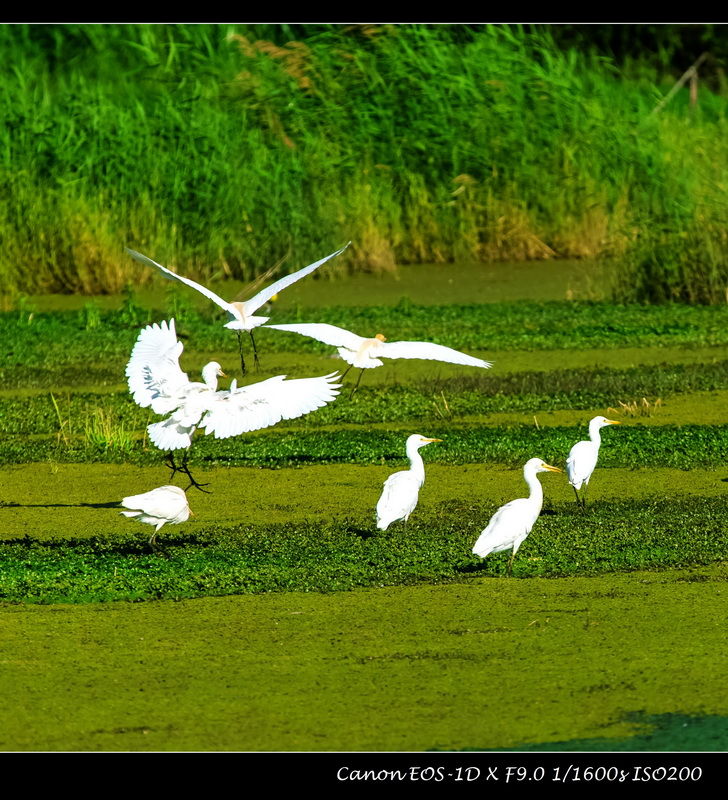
[
  {"x": 583, "y": 457},
  {"x": 512, "y": 523},
  {"x": 366, "y": 353},
  {"x": 158, "y": 507},
  {"x": 239, "y": 314},
  {"x": 401, "y": 490},
  {"x": 155, "y": 379}
]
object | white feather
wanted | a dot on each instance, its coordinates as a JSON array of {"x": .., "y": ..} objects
[
  {"x": 512, "y": 523},
  {"x": 156, "y": 380},
  {"x": 366, "y": 353},
  {"x": 240, "y": 315},
  {"x": 401, "y": 490},
  {"x": 583, "y": 456}
]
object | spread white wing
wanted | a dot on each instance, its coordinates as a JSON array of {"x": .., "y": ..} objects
[
  {"x": 167, "y": 273},
  {"x": 153, "y": 370},
  {"x": 265, "y": 403},
  {"x": 250, "y": 306},
  {"x": 322, "y": 332},
  {"x": 428, "y": 351}
]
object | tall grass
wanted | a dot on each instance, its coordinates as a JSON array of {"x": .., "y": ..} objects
[{"x": 219, "y": 149}]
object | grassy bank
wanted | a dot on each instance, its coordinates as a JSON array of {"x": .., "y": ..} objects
[{"x": 120, "y": 134}]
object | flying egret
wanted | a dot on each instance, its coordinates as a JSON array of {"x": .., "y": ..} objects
[
  {"x": 399, "y": 497},
  {"x": 155, "y": 379},
  {"x": 239, "y": 314},
  {"x": 157, "y": 507},
  {"x": 583, "y": 457},
  {"x": 512, "y": 523},
  {"x": 366, "y": 353}
]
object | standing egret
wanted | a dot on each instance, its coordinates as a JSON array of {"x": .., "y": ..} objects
[
  {"x": 239, "y": 314},
  {"x": 401, "y": 490},
  {"x": 512, "y": 523},
  {"x": 366, "y": 353},
  {"x": 583, "y": 457},
  {"x": 157, "y": 507},
  {"x": 155, "y": 379}
]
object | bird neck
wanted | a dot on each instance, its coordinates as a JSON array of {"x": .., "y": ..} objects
[
  {"x": 534, "y": 484},
  {"x": 209, "y": 377},
  {"x": 594, "y": 434},
  {"x": 417, "y": 465}
]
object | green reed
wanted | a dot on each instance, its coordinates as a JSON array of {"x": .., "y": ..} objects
[{"x": 221, "y": 148}]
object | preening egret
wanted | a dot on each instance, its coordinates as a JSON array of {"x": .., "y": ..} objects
[
  {"x": 399, "y": 497},
  {"x": 583, "y": 457},
  {"x": 366, "y": 353},
  {"x": 512, "y": 523},
  {"x": 157, "y": 507},
  {"x": 155, "y": 379},
  {"x": 239, "y": 314}
]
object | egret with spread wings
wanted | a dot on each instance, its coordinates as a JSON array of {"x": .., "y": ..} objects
[
  {"x": 240, "y": 315},
  {"x": 157, "y": 381},
  {"x": 367, "y": 353}
]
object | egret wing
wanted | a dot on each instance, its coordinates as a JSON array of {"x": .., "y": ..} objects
[
  {"x": 321, "y": 331},
  {"x": 399, "y": 496},
  {"x": 166, "y": 501},
  {"x": 582, "y": 461},
  {"x": 167, "y": 273},
  {"x": 505, "y": 526},
  {"x": 429, "y": 351},
  {"x": 250, "y": 306},
  {"x": 263, "y": 404},
  {"x": 153, "y": 366}
]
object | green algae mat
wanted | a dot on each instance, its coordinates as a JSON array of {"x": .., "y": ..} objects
[{"x": 489, "y": 664}]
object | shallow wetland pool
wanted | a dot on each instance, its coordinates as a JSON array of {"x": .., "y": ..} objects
[{"x": 279, "y": 618}]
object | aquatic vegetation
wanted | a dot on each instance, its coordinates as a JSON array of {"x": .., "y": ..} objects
[
  {"x": 62, "y": 343},
  {"x": 342, "y": 555}
]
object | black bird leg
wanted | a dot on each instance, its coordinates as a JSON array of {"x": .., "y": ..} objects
[
  {"x": 184, "y": 468},
  {"x": 255, "y": 352},
  {"x": 169, "y": 460},
  {"x": 357, "y": 384},
  {"x": 242, "y": 357}
]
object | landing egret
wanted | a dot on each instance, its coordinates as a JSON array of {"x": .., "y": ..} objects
[
  {"x": 155, "y": 379},
  {"x": 401, "y": 490},
  {"x": 512, "y": 523},
  {"x": 583, "y": 457},
  {"x": 240, "y": 315},
  {"x": 366, "y": 353},
  {"x": 158, "y": 507}
]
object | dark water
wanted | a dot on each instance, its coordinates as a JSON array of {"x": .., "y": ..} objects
[
  {"x": 663, "y": 733},
  {"x": 423, "y": 284}
]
